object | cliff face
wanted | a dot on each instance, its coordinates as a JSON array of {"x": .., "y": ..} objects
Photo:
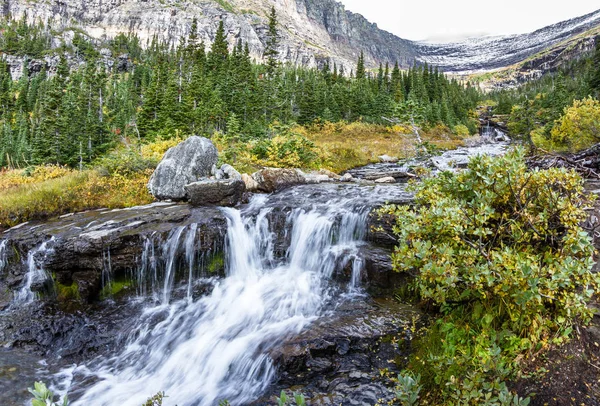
[{"x": 311, "y": 31}]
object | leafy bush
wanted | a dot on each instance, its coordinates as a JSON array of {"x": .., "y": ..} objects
[
  {"x": 408, "y": 389},
  {"x": 75, "y": 191},
  {"x": 462, "y": 130},
  {"x": 284, "y": 400},
  {"x": 579, "y": 127},
  {"x": 42, "y": 396},
  {"x": 32, "y": 174},
  {"x": 124, "y": 162},
  {"x": 500, "y": 252}
]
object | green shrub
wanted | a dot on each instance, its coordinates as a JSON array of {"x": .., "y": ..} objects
[
  {"x": 408, "y": 389},
  {"x": 499, "y": 251},
  {"x": 42, "y": 396}
]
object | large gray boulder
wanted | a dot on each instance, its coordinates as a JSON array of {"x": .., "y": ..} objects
[
  {"x": 224, "y": 192},
  {"x": 186, "y": 163}
]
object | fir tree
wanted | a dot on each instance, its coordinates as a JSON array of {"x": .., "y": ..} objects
[
  {"x": 360, "y": 66},
  {"x": 271, "y": 51}
]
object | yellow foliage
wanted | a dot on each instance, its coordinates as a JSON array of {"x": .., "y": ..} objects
[
  {"x": 461, "y": 130},
  {"x": 579, "y": 127},
  {"x": 73, "y": 191},
  {"x": 15, "y": 177},
  {"x": 157, "y": 149}
]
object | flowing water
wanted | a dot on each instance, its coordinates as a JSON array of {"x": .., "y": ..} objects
[
  {"x": 3, "y": 254},
  {"x": 217, "y": 347},
  {"x": 35, "y": 274}
]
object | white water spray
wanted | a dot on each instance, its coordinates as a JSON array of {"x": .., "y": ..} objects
[
  {"x": 35, "y": 273},
  {"x": 215, "y": 348}
]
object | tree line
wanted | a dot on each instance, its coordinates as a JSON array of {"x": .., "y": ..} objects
[{"x": 77, "y": 112}]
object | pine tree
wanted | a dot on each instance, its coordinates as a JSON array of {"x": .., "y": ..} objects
[
  {"x": 219, "y": 52},
  {"x": 360, "y": 67},
  {"x": 271, "y": 51}
]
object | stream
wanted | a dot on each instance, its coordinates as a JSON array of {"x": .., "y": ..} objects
[{"x": 293, "y": 297}]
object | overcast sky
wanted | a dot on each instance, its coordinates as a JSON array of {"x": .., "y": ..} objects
[{"x": 449, "y": 20}]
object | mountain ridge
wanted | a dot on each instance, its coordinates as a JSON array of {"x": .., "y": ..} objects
[{"x": 312, "y": 32}]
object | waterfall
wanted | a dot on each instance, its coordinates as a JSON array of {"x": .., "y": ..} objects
[
  {"x": 217, "y": 347},
  {"x": 3, "y": 255},
  {"x": 35, "y": 273},
  {"x": 162, "y": 260}
]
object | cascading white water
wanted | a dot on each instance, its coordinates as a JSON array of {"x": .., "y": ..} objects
[
  {"x": 3, "y": 255},
  {"x": 35, "y": 273},
  {"x": 215, "y": 348}
]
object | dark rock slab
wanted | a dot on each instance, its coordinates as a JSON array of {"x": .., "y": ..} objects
[
  {"x": 227, "y": 192},
  {"x": 337, "y": 360}
]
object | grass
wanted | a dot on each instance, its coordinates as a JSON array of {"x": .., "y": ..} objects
[
  {"x": 225, "y": 5},
  {"x": 119, "y": 179},
  {"x": 71, "y": 192},
  {"x": 347, "y": 146}
]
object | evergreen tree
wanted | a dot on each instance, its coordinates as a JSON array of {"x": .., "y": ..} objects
[
  {"x": 360, "y": 67},
  {"x": 219, "y": 52},
  {"x": 271, "y": 51}
]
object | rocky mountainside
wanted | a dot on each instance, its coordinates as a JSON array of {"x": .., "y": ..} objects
[
  {"x": 312, "y": 31},
  {"x": 500, "y": 51}
]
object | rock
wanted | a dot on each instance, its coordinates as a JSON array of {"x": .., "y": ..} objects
[
  {"x": 270, "y": 180},
  {"x": 386, "y": 159},
  {"x": 186, "y": 163},
  {"x": 219, "y": 175},
  {"x": 230, "y": 172},
  {"x": 226, "y": 192},
  {"x": 251, "y": 184},
  {"x": 330, "y": 174},
  {"x": 387, "y": 179},
  {"x": 315, "y": 178},
  {"x": 347, "y": 177}
]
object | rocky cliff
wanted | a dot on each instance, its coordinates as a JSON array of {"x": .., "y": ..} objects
[{"x": 311, "y": 31}]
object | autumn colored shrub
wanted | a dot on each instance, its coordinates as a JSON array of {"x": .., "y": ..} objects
[
  {"x": 579, "y": 127},
  {"x": 499, "y": 251}
]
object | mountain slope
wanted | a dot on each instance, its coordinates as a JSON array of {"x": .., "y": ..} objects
[
  {"x": 496, "y": 52},
  {"x": 312, "y": 31}
]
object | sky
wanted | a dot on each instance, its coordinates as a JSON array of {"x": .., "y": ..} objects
[{"x": 450, "y": 20}]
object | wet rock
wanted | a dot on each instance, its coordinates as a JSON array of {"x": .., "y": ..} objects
[
  {"x": 347, "y": 177},
  {"x": 270, "y": 180},
  {"x": 388, "y": 179},
  {"x": 88, "y": 284},
  {"x": 388, "y": 159},
  {"x": 87, "y": 243},
  {"x": 331, "y": 175},
  {"x": 227, "y": 192},
  {"x": 337, "y": 360},
  {"x": 186, "y": 163},
  {"x": 315, "y": 178},
  {"x": 380, "y": 230}
]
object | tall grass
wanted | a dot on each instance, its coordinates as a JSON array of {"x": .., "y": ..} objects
[{"x": 71, "y": 192}]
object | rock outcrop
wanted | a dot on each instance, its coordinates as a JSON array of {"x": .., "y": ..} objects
[
  {"x": 188, "y": 162},
  {"x": 225, "y": 192},
  {"x": 270, "y": 180},
  {"x": 86, "y": 246},
  {"x": 311, "y": 32}
]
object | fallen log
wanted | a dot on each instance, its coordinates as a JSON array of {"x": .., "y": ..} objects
[{"x": 586, "y": 163}]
